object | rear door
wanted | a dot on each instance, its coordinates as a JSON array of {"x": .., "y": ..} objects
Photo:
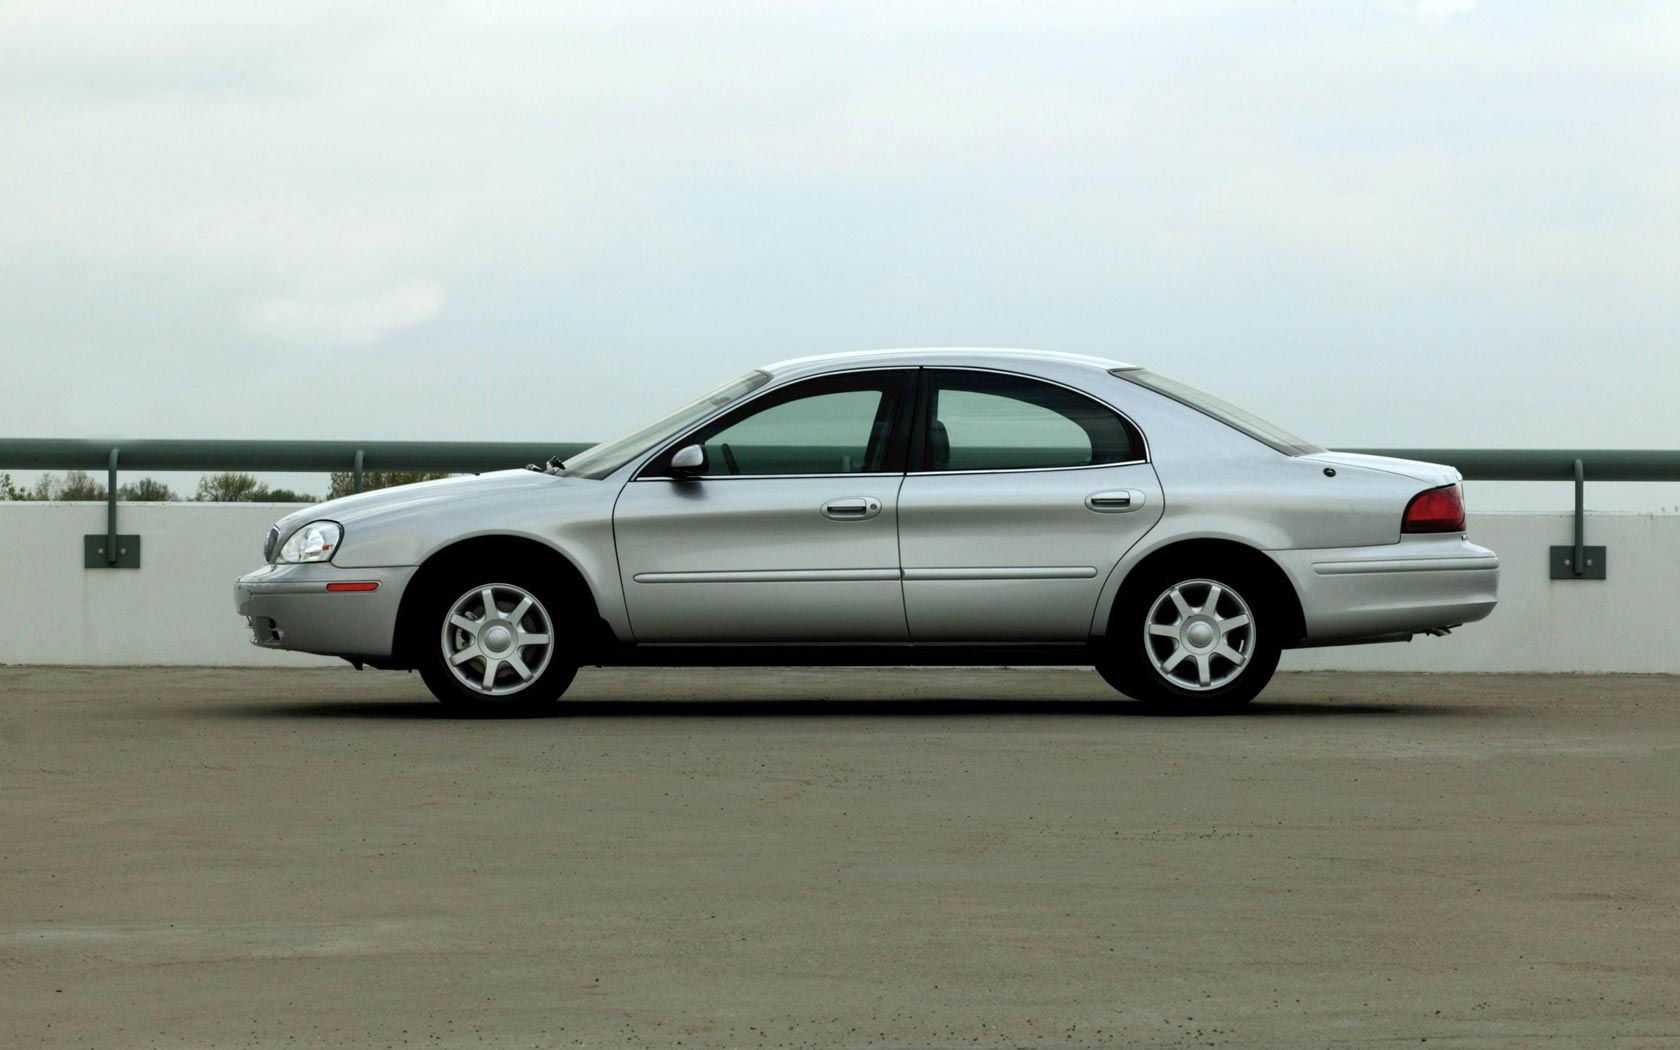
[
  {"x": 1021, "y": 496},
  {"x": 789, "y": 533}
]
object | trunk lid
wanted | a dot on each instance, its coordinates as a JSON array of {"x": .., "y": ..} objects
[{"x": 1433, "y": 474}]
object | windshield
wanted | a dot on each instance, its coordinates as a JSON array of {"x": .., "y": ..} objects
[
  {"x": 1224, "y": 411},
  {"x": 600, "y": 460}
]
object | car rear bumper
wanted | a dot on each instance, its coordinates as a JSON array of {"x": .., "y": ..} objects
[
  {"x": 290, "y": 607},
  {"x": 1349, "y": 594}
]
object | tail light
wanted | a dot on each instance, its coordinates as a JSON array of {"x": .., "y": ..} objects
[{"x": 1435, "y": 510}]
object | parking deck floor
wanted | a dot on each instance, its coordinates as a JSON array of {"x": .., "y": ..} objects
[{"x": 926, "y": 858}]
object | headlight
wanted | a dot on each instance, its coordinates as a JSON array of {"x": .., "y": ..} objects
[{"x": 316, "y": 541}]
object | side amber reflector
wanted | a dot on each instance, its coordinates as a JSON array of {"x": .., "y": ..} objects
[{"x": 371, "y": 585}]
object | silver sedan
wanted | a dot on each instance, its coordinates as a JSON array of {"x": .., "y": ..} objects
[{"x": 898, "y": 507}]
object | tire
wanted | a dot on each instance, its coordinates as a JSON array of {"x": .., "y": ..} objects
[
  {"x": 460, "y": 647},
  {"x": 1165, "y": 649}
]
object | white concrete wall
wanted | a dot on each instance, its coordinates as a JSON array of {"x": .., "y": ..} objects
[
  {"x": 178, "y": 607},
  {"x": 1620, "y": 624}
]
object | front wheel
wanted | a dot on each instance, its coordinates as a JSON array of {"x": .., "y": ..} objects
[
  {"x": 1193, "y": 639},
  {"x": 489, "y": 646}
]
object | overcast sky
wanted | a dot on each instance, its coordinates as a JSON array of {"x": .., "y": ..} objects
[{"x": 1384, "y": 223}]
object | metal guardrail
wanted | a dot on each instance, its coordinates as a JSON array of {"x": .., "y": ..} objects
[
  {"x": 117, "y": 551},
  {"x": 279, "y": 456},
  {"x": 1576, "y": 561},
  {"x": 1551, "y": 464}
]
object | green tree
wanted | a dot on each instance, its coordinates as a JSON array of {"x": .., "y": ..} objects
[
  {"x": 9, "y": 489},
  {"x": 231, "y": 488},
  {"x": 147, "y": 490},
  {"x": 289, "y": 496},
  {"x": 343, "y": 484},
  {"x": 74, "y": 485}
]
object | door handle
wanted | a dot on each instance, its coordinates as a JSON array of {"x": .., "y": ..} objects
[
  {"x": 852, "y": 508},
  {"x": 1115, "y": 502}
]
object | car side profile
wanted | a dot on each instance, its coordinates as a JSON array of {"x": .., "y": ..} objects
[{"x": 963, "y": 506}]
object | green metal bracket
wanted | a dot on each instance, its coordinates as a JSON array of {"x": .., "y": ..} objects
[
  {"x": 116, "y": 551},
  {"x": 108, "y": 550},
  {"x": 1591, "y": 563},
  {"x": 1579, "y": 562}
]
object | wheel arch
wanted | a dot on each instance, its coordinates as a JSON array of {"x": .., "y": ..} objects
[
  {"x": 1204, "y": 548},
  {"x": 547, "y": 560}
]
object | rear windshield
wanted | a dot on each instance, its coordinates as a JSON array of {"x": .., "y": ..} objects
[{"x": 1227, "y": 413}]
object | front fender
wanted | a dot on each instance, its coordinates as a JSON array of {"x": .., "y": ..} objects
[{"x": 571, "y": 516}]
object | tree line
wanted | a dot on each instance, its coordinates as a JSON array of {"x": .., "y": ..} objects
[{"x": 226, "y": 487}]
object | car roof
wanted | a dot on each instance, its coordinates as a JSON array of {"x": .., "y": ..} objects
[{"x": 942, "y": 355}]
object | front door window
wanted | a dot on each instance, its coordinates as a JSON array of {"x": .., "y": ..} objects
[{"x": 831, "y": 425}]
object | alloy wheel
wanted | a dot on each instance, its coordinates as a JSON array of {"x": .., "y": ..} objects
[
  {"x": 1199, "y": 634},
  {"x": 497, "y": 639}
]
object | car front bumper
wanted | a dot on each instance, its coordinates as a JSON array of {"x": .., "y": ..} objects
[
  {"x": 1422, "y": 583},
  {"x": 290, "y": 607}
]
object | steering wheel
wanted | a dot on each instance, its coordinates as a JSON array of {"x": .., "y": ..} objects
[{"x": 729, "y": 460}]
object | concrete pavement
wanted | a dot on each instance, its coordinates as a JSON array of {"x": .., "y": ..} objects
[{"x": 927, "y": 858}]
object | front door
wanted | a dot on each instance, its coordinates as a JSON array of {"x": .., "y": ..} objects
[
  {"x": 788, "y": 532},
  {"x": 1024, "y": 497}
]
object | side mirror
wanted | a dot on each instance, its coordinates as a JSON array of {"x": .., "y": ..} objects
[{"x": 690, "y": 459}]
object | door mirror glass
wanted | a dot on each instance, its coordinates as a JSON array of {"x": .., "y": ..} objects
[{"x": 690, "y": 459}]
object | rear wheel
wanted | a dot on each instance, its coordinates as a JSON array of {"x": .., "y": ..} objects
[
  {"x": 490, "y": 642},
  {"x": 1193, "y": 638}
]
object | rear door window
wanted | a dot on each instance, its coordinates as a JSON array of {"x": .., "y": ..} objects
[{"x": 993, "y": 421}]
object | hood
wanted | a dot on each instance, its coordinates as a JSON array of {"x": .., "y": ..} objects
[
  {"x": 405, "y": 499},
  {"x": 1433, "y": 474}
]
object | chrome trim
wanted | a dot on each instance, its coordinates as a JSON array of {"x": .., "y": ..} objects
[
  {"x": 1000, "y": 572},
  {"x": 769, "y": 576},
  {"x": 1028, "y": 470},
  {"x": 1379, "y": 565},
  {"x": 1005, "y": 572},
  {"x": 296, "y": 586},
  {"x": 1117, "y": 501},
  {"x": 893, "y": 474},
  {"x": 769, "y": 477}
]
